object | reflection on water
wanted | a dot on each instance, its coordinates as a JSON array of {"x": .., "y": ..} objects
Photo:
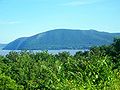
[{"x": 72, "y": 52}]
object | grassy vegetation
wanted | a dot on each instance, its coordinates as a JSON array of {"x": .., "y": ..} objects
[{"x": 97, "y": 69}]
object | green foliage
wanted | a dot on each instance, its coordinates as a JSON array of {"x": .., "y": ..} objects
[
  {"x": 6, "y": 83},
  {"x": 90, "y": 70}
]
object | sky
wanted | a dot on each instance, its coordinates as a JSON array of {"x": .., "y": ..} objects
[{"x": 23, "y": 18}]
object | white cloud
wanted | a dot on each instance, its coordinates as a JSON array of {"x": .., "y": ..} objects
[
  {"x": 81, "y": 2},
  {"x": 9, "y": 22}
]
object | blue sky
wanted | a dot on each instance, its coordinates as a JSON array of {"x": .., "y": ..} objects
[{"x": 19, "y": 18}]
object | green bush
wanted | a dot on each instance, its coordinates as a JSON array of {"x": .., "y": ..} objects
[{"x": 95, "y": 69}]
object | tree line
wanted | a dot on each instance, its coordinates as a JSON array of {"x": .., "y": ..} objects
[{"x": 96, "y": 69}]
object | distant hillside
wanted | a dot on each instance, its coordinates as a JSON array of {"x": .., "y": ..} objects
[
  {"x": 2, "y": 46},
  {"x": 62, "y": 39}
]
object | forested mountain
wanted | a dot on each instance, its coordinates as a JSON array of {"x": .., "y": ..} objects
[{"x": 62, "y": 39}]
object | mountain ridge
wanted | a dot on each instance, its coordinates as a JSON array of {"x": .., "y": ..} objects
[{"x": 62, "y": 39}]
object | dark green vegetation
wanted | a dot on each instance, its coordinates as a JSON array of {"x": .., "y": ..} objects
[
  {"x": 63, "y": 39},
  {"x": 97, "y": 69},
  {"x": 2, "y": 46}
]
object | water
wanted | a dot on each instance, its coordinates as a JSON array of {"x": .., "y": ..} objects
[{"x": 72, "y": 52}]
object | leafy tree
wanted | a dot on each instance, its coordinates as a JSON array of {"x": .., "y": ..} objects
[
  {"x": 96, "y": 69},
  {"x": 6, "y": 83}
]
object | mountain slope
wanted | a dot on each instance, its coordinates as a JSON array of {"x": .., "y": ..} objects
[{"x": 62, "y": 39}]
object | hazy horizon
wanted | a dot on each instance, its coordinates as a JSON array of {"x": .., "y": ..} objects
[
  {"x": 23, "y": 18},
  {"x": 55, "y": 29}
]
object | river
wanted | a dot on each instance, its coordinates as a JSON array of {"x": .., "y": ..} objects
[{"x": 72, "y": 52}]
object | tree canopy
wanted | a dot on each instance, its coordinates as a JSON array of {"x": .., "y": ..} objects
[{"x": 96, "y": 69}]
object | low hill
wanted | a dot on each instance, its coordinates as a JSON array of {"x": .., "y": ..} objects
[{"x": 62, "y": 39}]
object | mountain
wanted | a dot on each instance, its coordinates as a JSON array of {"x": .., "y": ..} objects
[
  {"x": 62, "y": 39},
  {"x": 2, "y": 46}
]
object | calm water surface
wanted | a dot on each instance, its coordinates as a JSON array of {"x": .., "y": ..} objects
[{"x": 72, "y": 52}]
